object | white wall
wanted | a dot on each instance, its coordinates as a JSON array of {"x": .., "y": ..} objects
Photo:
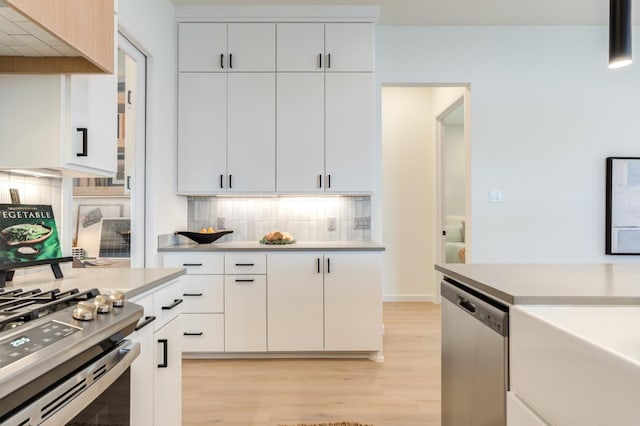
[
  {"x": 545, "y": 112},
  {"x": 408, "y": 193},
  {"x": 150, "y": 25}
]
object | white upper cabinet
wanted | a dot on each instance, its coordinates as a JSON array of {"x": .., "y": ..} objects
[
  {"x": 348, "y": 47},
  {"x": 202, "y": 132},
  {"x": 300, "y": 130},
  {"x": 67, "y": 123},
  {"x": 349, "y": 132},
  {"x": 251, "y": 145},
  {"x": 338, "y": 47},
  {"x": 300, "y": 47},
  {"x": 218, "y": 47}
]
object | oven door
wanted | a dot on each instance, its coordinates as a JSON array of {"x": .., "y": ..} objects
[{"x": 97, "y": 394}]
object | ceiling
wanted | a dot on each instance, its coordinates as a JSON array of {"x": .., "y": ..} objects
[{"x": 461, "y": 12}]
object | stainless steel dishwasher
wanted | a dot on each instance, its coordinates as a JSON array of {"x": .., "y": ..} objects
[{"x": 475, "y": 330}]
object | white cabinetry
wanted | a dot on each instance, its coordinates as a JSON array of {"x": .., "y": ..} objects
[
  {"x": 519, "y": 414},
  {"x": 245, "y": 301},
  {"x": 295, "y": 305},
  {"x": 330, "y": 300},
  {"x": 331, "y": 47},
  {"x": 203, "y": 295},
  {"x": 156, "y": 375},
  {"x": 58, "y": 122},
  {"x": 226, "y": 109},
  {"x": 352, "y": 302},
  {"x": 219, "y": 47}
]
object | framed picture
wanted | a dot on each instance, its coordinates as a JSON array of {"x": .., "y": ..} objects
[{"x": 623, "y": 206}]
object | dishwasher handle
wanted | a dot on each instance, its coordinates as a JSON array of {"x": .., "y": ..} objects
[{"x": 466, "y": 305}]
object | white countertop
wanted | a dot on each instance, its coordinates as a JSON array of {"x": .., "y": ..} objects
[
  {"x": 558, "y": 284},
  {"x": 256, "y": 246},
  {"x": 131, "y": 281}
]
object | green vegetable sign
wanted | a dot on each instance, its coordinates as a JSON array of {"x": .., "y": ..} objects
[{"x": 27, "y": 232}]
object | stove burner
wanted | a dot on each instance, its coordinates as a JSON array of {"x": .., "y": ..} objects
[{"x": 18, "y": 306}]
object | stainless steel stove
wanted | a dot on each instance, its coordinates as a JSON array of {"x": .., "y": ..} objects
[{"x": 60, "y": 351}]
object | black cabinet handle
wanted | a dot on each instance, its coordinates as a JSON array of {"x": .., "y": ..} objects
[
  {"x": 329, "y": 60},
  {"x": 221, "y": 181},
  {"x": 192, "y": 294},
  {"x": 230, "y": 186},
  {"x": 129, "y": 97},
  {"x": 175, "y": 303},
  {"x": 328, "y": 181},
  {"x": 244, "y": 264},
  {"x": 320, "y": 57},
  {"x": 192, "y": 334},
  {"x": 128, "y": 182},
  {"x": 222, "y": 60},
  {"x": 85, "y": 138},
  {"x": 245, "y": 281},
  {"x": 319, "y": 181},
  {"x": 145, "y": 322},
  {"x": 230, "y": 60},
  {"x": 318, "y": 261},
  {"x": 165, "y": 353},
  {"x": 328, "y": 265},
  {"x": 192, "y": 264}
]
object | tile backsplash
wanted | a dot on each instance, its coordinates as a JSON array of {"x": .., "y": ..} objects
[
  {"x": 33, "y": 190},
  {"x": 306, "y": 218}
]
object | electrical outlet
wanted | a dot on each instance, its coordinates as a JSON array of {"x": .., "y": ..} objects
[
  {"x": 331, "y": 223},
  {"x": 361, "y": 222},
  {"x": 221, "y": 223}
]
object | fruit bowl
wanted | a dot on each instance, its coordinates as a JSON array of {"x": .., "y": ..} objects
[{"x": 203, "y": 237}]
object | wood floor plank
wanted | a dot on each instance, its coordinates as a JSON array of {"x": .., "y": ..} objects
[{"x": 402, "y": 390}]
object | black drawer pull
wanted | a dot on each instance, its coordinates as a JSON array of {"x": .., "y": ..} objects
[
  {"x": 328, "y": 265},
  {"x": 165, "y": 353},
  {"x": 145, "y": 322},
  {"x": 221, "y": 181},
  {"x": 192, "y": 294},
  {"x": 192, "y": 264},
  {"x": 222, "y": 60},
  {"x": 245, "y": 264},
  {"x": 319, "y": 181},
  {"x": 329, "y": 60},
  {"x": 244, "y": 281},
  {"x": 175, "y": 303},
  {"x": 320, "y": 57},
  {"x": 318, "y": 260},
  {"x": 192, "y": 334}
]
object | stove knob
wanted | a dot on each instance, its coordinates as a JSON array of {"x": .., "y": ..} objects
[
  {"x": 118, "y": 298},
  {"x": 103, "y": 303},
  {"x": 85, "y": 311}
]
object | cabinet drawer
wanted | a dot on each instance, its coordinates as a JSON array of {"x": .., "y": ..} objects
[
  {"x": 203, "y": 294},
  {"x": 196, "y": 263},
  {"x": 251, "y": 263},
  {"x": 167, "y": 304},
  {"x": 203, "y": 333}
]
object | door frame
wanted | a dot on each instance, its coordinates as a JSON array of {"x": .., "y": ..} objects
[
  {"x": 138, "y": 214},
  {"x": 440, "y": 180}
]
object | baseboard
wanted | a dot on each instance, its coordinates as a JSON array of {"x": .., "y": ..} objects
[{"x": 433, "y": 298}]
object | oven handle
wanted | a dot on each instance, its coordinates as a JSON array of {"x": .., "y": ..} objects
[{"x": 114, "y": 363}]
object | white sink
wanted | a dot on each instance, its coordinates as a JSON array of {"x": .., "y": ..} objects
[{"x": 577, "y": 365}]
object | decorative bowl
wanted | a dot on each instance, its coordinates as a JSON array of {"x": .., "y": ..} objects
[{"x": 203, "y": 237}]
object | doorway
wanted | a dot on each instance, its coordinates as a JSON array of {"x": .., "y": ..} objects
[
  {"x": 411, "y": 197},
  {"x": 110, "y": 219}
]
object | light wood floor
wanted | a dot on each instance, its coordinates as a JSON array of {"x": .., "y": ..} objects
[{"x": 404, "y": 390}]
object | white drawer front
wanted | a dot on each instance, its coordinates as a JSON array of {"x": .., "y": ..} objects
[
  {"x": 167, "y": 304},
  {"x": 249, "y": 263},
  {"x": 203, "y": 333},
  {"x": 203, "y": 294},
  {"x": 196, "y": 263}
]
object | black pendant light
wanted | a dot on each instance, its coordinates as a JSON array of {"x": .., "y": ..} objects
[{"x": 619, "y": 33}]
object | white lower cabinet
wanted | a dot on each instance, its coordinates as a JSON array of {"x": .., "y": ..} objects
[
  {"x": 245, "y": 316},
  {"x": 156, "y": 375},
  {"x": 352, "y": 302},
  {"x": 202, "y": 332},
  {"x": 295, "y": 302},
  {"x": 167, "y": 395}
]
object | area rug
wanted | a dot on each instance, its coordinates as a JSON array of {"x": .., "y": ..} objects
[{"x": 331, "y": 424}]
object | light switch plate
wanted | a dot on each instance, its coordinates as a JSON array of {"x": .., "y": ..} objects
[
  {"x": 331, "y": 223},
  {"x": 222, "y": 223},
  {"x": 495, "y": 196}
]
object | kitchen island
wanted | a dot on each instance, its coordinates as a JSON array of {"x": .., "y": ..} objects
[{"x": 572, "y": 355}]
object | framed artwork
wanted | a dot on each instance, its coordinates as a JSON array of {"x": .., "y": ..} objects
[{"x": 623, "y": 206}]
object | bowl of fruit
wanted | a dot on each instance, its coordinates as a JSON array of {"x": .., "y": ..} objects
[{"x": 205, "y": 236}]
